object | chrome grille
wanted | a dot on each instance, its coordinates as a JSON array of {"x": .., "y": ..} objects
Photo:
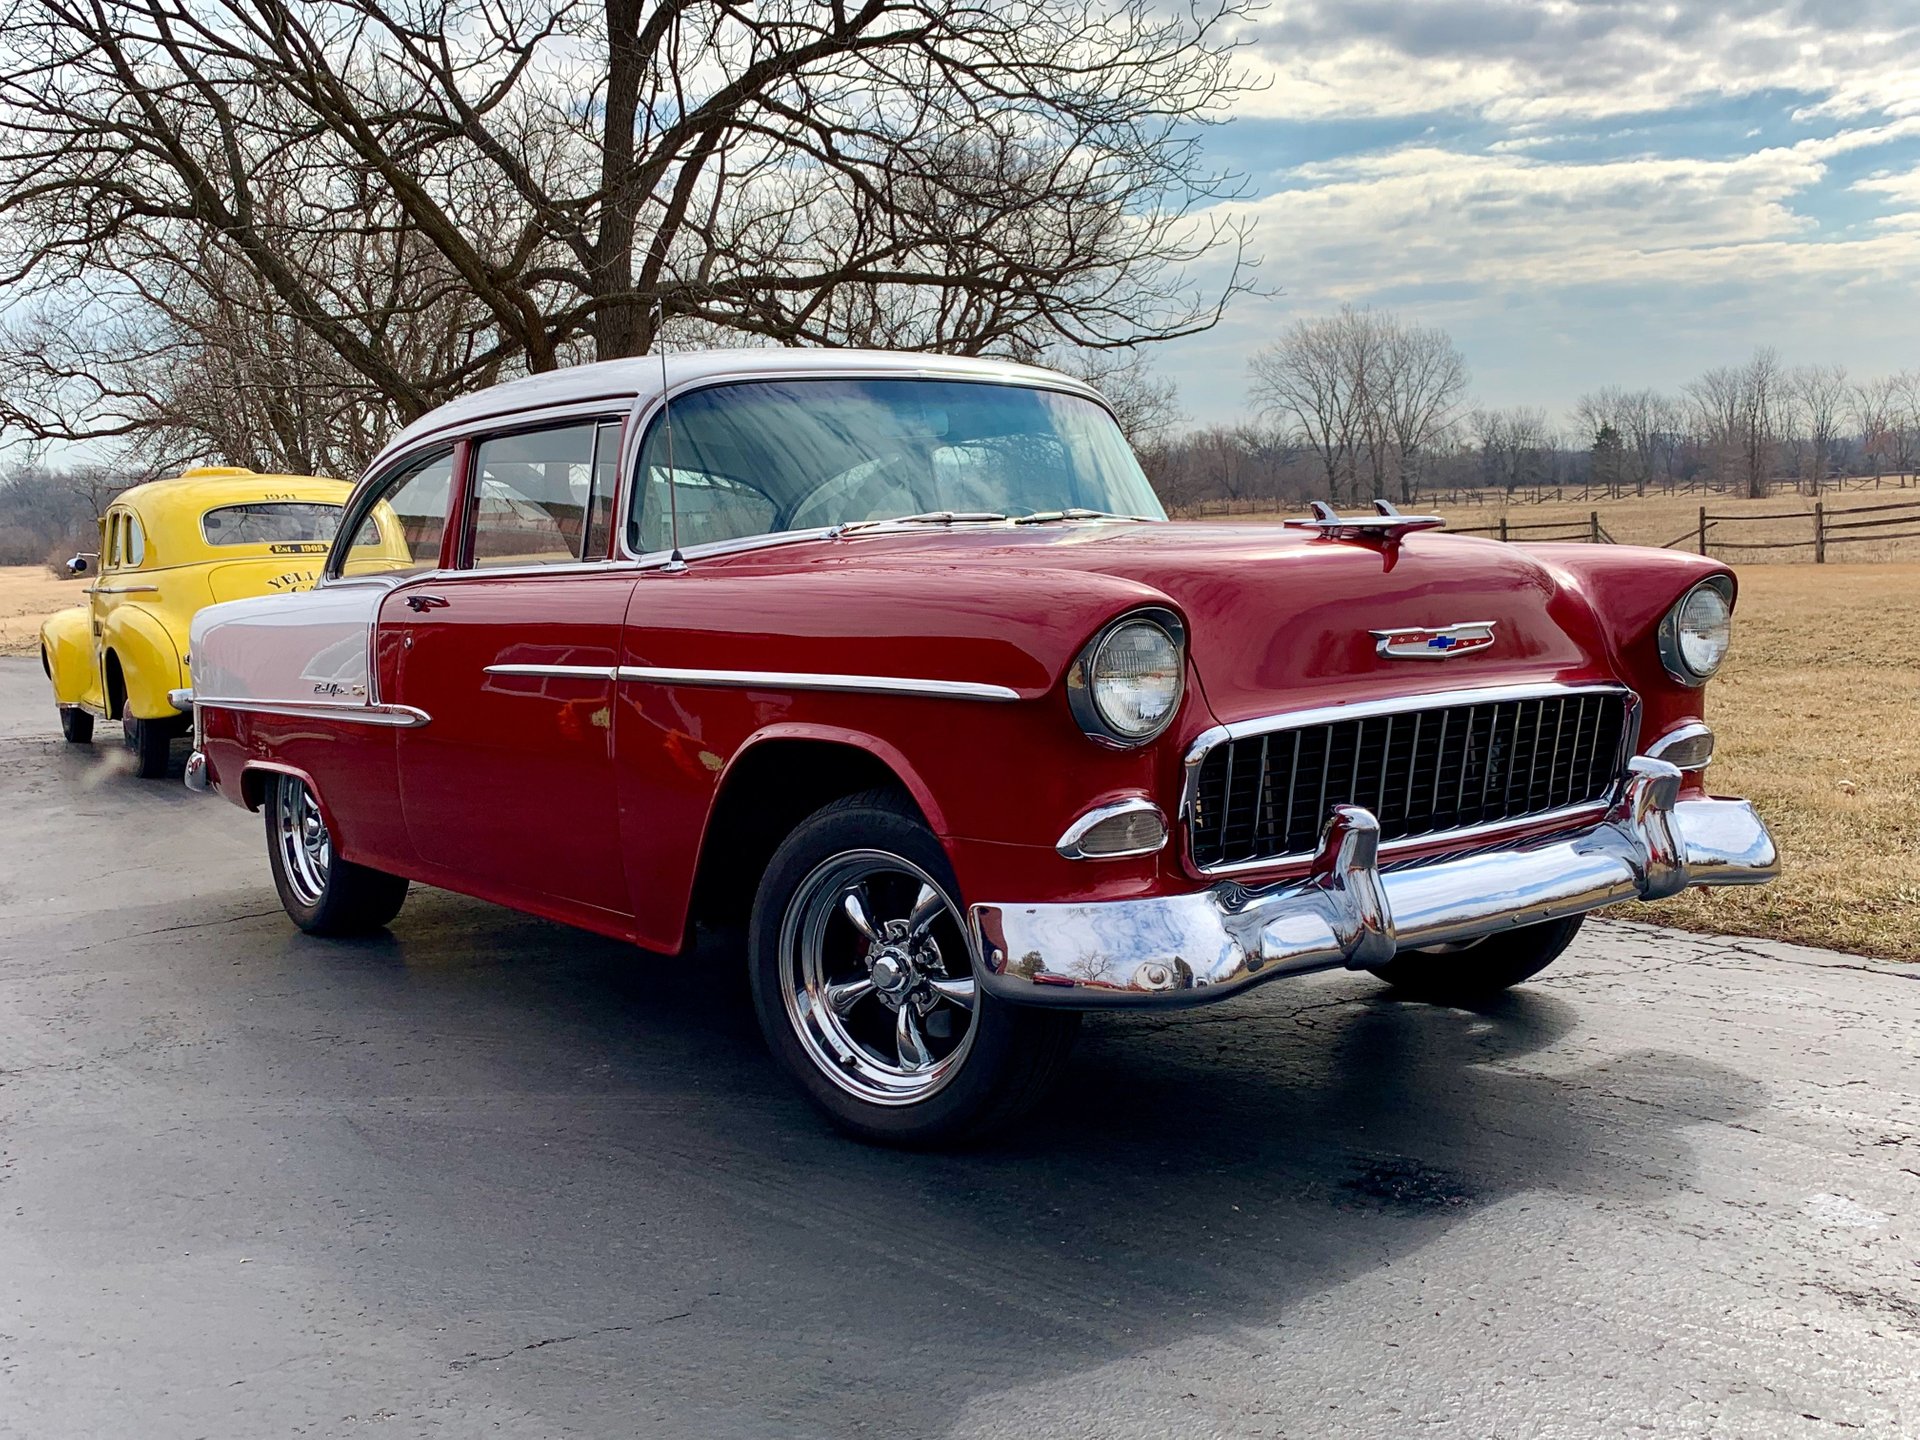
[{"x": 1421, "y": 772}]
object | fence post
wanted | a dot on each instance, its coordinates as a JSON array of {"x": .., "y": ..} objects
[
  {"x": 1703, "y": 529},
  {"x": 1503, "y": 529},
  {"x": 1593, "y": 521},
  {"x": 1819, "y": 532}
]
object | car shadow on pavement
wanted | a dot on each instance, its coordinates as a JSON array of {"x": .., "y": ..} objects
[{"x": 603, "y": 1203}]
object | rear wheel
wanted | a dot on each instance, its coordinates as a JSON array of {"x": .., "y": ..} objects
[
  {"x": 866, "y": 988},
  {"x": 323, "y": 894},
  {"x": 76, "y": 725},
  {"x": 1450, "y": 975},
  {"x": 151, "y": 742}
]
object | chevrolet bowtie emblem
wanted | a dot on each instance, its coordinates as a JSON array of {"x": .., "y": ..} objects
[{"x": 1440, "y": 642}]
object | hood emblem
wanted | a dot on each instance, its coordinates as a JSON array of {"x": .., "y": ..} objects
[{"x": 1437, "y": 642}]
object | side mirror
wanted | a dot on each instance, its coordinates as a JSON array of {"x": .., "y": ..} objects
[{"x": 77, "y": 565}]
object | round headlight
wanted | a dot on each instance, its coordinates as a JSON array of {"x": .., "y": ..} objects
[
  {"x": 1127, "y": 683},
  {"x": 1697, "y": 632}
]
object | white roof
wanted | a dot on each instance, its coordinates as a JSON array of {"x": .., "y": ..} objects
[{"x": 639, "y": 380}]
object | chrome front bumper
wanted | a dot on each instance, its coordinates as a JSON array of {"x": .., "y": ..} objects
[{"x": 1188, "y": 949}]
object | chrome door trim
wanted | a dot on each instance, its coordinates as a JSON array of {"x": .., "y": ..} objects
[
  {"x": 805, "y": 680},
  {"x": 1206, "y": 742},
  {"x": 402, "y": 717},
  {"x": 567, "y": 672}
]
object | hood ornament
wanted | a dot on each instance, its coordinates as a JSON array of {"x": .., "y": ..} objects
[
  {"x": 1434, "y": 642},
  {"x": 1386, "y": 523}
]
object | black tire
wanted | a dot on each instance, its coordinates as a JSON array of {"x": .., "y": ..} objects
[
  {"x": 1461, "y": 977},
  {"x": 1004, "y": 1057},
  {"x": 76, "y": 725},
  {"x": 322, "y": 894},
  {"x": 151, "y": 742}
]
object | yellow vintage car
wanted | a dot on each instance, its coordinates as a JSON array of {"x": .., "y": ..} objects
[{"x": 167, "y": 549}]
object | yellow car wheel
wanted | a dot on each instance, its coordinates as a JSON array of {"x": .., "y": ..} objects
[
  {"x": 151, "y": 742},
  {"x": 76, "y": 725}
]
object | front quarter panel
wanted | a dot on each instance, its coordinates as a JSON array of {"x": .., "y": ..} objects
[{"x": 66, "y": 640}]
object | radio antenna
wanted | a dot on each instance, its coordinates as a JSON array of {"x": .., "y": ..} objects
[{"x": 676, "y": 561}]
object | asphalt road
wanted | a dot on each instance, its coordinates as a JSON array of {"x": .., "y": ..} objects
[{"x": 491, "y": 1177}]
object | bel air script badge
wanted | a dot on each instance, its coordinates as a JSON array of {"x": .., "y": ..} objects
[{"x": 1436, "y": 643}]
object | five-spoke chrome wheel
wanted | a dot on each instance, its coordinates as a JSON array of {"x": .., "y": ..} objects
[
  {"x": 306, "y": 850},
  {"x": 878, "y": 978}
]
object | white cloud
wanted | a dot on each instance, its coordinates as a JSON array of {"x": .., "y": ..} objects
[{"x": 1518, "y": 61}]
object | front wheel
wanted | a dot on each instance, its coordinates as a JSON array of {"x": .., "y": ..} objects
[
  {"x": 76, "y": 725},
  {"x": 865, "y": 984},
  {"x": 323, "y": 894},
  {"x": 1461, "y": 975}
]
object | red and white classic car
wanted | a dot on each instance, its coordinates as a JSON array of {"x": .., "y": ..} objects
[{"x": 895, "y": 659}]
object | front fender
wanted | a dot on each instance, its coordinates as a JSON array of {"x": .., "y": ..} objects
[
  {"x": 149, "y": 661},
  {"x": 66, "y": 643}
]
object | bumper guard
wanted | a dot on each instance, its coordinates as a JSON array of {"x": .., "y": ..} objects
[{"x": 1189, "y": 949}]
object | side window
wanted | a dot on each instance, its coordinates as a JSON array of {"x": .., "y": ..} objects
[
  {"x": 532, "y": 493},
  {"x": 113, "y": 540},
  {"x": 134, "y": 545},
  {"x": 400, "y": 522}
]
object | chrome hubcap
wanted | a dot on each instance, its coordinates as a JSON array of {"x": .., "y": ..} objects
[
  {"x": 306, "y": 850},
  {"x": 878, "y": 977}
]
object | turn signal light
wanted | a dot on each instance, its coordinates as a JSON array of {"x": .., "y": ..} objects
[{"x": 1113, "y": 832}]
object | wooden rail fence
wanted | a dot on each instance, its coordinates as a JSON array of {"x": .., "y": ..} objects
[
  {"x": 1590, "y": 530},
  {"x": 1897, "y": 521}
]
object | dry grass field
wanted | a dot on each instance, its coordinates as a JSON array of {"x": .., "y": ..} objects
[
  {"x": 28, "y": 594},
  {"x": 1818, "y": 715},
  {"x": 1818, "y": 719}
]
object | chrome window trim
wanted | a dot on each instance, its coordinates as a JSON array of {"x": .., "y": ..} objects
[
  {"x": 1069, "y": 844},
  {"x": 650, "y": 406},
  {"x": 1690, "y": 731},
  {"x": 806, "y": 680},
  {"x": 1208, "y": 740},
  {"x": 399, "y": 717}
]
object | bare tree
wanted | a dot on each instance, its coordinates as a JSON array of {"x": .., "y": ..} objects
[
  {"x": 553, "y": 180},
  {"x": 1425, "y": 378},
  {"x": 1821, "y": 392},
  {"x": 1366, "y": 393},
  {"x": 1876, "y": 406}
]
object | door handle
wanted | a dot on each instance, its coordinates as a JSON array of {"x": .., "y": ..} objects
[{"x": 426, "y": 602}]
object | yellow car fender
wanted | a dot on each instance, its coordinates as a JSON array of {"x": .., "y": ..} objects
[
  {"x": 138, "y": 652},
  {"x": 66, "y": 649}
]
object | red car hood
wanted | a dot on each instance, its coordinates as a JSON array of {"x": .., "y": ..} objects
[{"x": 1279, "y": 619}]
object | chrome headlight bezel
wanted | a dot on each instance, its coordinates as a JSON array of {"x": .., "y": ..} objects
[
  {"x": 1083, "y": 679},
  {"x": 1672, "y": 652}
]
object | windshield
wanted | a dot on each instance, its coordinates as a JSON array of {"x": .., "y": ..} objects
[
  {"x": 297, "y": 524},
  {"x": 766, "y": 456}
]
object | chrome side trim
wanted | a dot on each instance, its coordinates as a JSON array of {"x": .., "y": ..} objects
[
  {"x": 1186, "y": 949},
  {"x": 570, "y": 672},
  {"x": 805, "y": 680},
  {"x": 124, "y": 590},
  {"x": 1663, "y": 748},
  {"x": 1397, "y": 705},
  {"x": 400, "y": 717},
  {"x": 1069, "y": 844}
]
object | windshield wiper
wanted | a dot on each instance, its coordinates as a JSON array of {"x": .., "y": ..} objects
[
  {"x": 1073, "y": 512},
  {"x": 925, "y": 517}
]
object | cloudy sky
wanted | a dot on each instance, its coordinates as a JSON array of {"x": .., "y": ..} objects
[{"x": 1584, "y": 192}]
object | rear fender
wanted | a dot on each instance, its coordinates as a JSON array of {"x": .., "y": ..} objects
[
  {"x": 66, "y": 647},
  {"x": 149, "y": 662}
]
